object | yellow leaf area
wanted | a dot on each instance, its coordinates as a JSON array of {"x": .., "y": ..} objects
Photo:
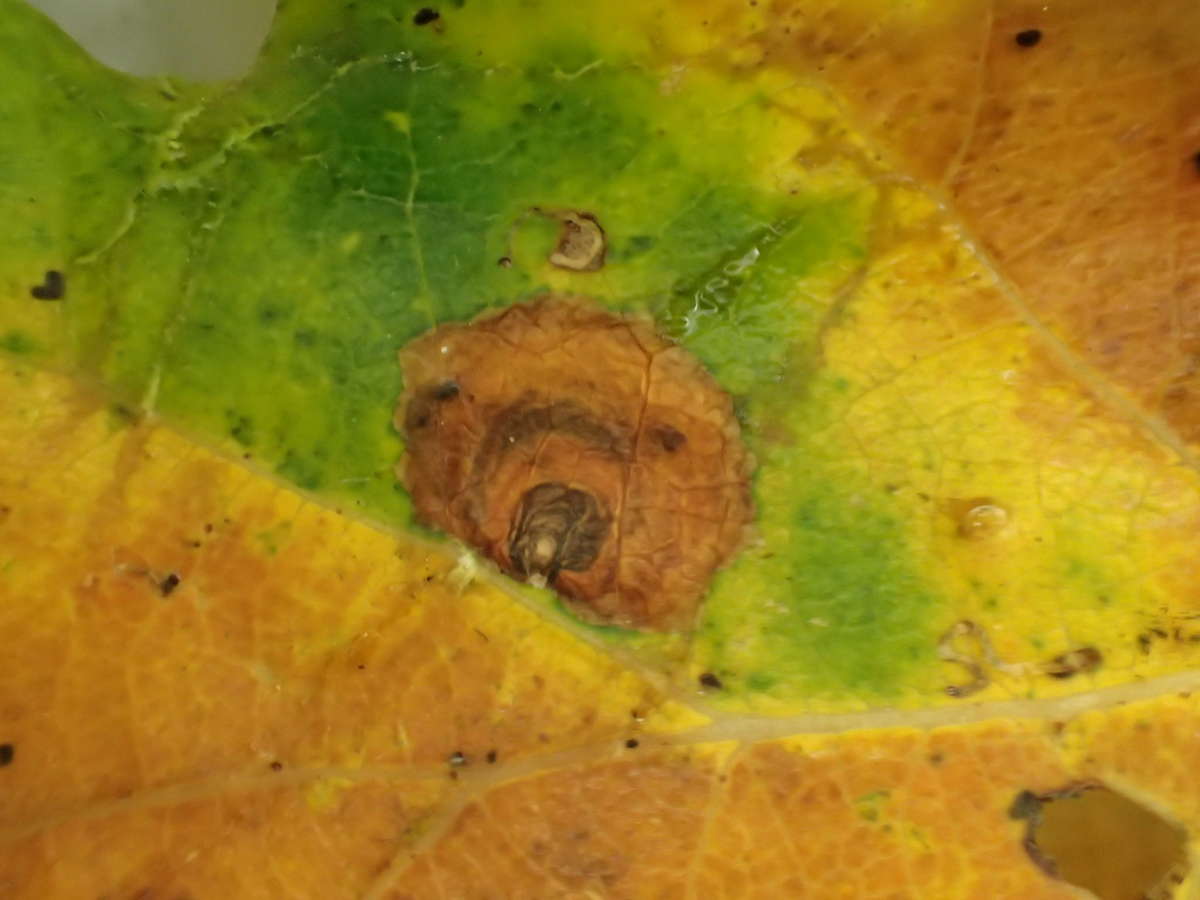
[{"x": 216, "y": 688}]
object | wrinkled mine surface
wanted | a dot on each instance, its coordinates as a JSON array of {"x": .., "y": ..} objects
[{"x": 581, "y": 450}]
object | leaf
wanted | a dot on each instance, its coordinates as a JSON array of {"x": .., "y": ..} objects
[{"x": 238, "y": 664}]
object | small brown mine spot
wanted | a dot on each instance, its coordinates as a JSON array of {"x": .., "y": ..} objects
[
  {"x": 7, "y": 752},
  {"x": 1102, "y": 841},
  {"x": 557, "y": 528},
  {"x": 579, "y": 450},
  {"x": 425, "y": 16},
  {"x": 53, "y": 286},
  {"x": 978, "y": 518},
  {"x": 581, "y": 244},
  {"x": 1074, "y": 662}
]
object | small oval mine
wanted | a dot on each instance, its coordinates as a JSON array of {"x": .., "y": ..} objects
[
  {"x": 979, "y": 518},
  {"x": 581, "y": 450}
]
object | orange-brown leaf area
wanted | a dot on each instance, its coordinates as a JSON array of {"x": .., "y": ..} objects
[
  {"x": 557, "y": 398},
  {"x": 179, "y": 729},
  {"x": 1065, "y": 137}
]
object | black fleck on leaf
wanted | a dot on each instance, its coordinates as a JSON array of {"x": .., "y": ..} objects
[
  {"x": 53, "y": 286},
  {"x": 1030, "y": 37}
]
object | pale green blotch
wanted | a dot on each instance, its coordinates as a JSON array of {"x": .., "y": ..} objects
[{"x": 827, "y": 601}]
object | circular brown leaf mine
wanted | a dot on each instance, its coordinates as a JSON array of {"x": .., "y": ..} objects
[{"x": 579, "y": 449}]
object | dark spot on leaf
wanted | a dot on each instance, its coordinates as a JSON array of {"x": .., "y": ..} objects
[
  {"x": 167, "y": 585},
  {"x": 491, "y": 756},
  {"x": 709, "y": 680},
  {"x": 1030, "y": 37},
  {"x": 448, "y": 390},
  {"x": 639, "y": 244},
  {"x": 126, "y": 414},
  {"x": 7, "y": 751},
  {"x": 1025, "y": 805},
  {"x": 1196, "y": 161},
  {"x": 425, "y": 15},
  {"x": 632, "y": 743},
  {"x": 242, "y": 431},
  {"x": 53, "y": 286},
  {"x": 670, "y": 438},
  {"x": 504, "y": 262},
  {"x": 276, "y": 766}
]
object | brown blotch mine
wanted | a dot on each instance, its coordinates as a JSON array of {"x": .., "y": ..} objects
[
  {"x": 581, "y": 450},
  {"x": 1102, "y": 841}
]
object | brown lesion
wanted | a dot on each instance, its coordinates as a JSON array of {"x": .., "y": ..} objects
[
  {"x": 579, "y": 449},
  {"x": 1095, "y": 838}
]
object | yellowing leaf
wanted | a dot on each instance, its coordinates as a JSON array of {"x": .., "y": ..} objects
[{"x": 941, "y": 258}]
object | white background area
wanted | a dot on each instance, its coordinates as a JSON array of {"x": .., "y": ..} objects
[{"x": 199, "y": 40}]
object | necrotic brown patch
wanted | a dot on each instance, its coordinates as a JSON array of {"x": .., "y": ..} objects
[{"x": 580, "y": 449}]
